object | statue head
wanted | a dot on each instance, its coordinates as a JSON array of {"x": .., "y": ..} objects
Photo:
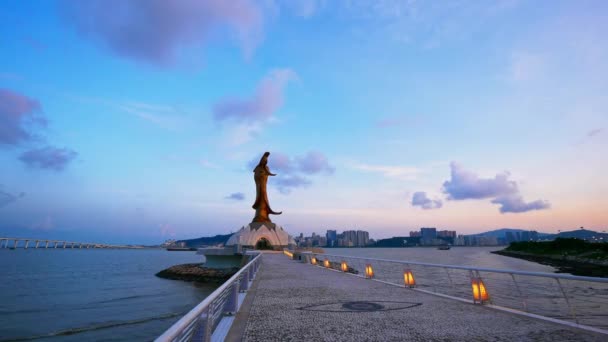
[{"x": 264, "y": 159}]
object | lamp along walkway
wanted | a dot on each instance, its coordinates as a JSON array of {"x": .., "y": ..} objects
[{"x": 294, "y": 301}]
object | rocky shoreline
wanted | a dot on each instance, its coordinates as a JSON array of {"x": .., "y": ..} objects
[
  {"x": 564, "y": 263},
  {"x": 197, "y": 273}
]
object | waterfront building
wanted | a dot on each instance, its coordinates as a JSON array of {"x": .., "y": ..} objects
[
  {"x": 447, "y": 236},
  {"x": 362, "y": 238},
  {"x": 332, "y": 237},
  {"x": 428, "y": 235}
]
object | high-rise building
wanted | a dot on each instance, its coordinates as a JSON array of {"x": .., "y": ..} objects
[
  {"x": 446, "y": 234},
  {"x": 332, "y": 237},
  {"x": 428, "y": 234},
  {"x": 362, "y": 238},
  {"x": 415, "y": 234}
]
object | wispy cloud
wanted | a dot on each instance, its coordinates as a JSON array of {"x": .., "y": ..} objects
[
  {"x": 594, "y": 132},
  {"x": 248, "y": 115},
  {"x": 390, "y": 171},
  {"x": 427, "y": 24},
  {"x": 236, "y": 196},
  {"x": 267, "y": 98},
  {"x": 7, "y": 198},
  {"x": 167, "y": 117},
  {"x": 155, "y": 31}
]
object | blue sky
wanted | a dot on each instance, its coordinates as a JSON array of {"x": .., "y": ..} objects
[{"x": 129, "y": 121}]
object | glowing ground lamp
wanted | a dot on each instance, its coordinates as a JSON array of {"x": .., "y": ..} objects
[
  {"x": 408, "y": 278},
  {"x": 313, "y": 261},
  {"x": 344, "y": 266},
  {"x": 369, "y": 271},
  {"x": 480, "y": 294},
  {"x": 326, "y": 263}
]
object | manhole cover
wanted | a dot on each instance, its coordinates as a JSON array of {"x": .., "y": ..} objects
[{"x": 362, "y": 306}]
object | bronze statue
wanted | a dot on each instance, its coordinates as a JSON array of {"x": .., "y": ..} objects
[{"x": 261, "y": 205}]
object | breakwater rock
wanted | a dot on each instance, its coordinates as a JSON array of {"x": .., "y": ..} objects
[{"x": 197, "y": 273}]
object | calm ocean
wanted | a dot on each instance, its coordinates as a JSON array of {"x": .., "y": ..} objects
[
  {"x": 92, "y": 295},
  {"x": 112, "y": 295}
]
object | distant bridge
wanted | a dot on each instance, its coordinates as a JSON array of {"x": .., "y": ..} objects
[{"x": 6, "y": 242}]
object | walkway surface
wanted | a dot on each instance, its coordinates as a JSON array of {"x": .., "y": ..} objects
[{"x": 293, "y": 301}]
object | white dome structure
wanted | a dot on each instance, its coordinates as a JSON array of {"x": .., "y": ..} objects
[{"x": 256, "y": 232}]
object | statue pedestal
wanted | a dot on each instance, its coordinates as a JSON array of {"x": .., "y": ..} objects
[{"x": 250, "y": 235}]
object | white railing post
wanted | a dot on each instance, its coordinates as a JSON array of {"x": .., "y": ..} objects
[
  {"x": 245, "y": 280},
  {"x": 232, "y": 306},
  {"x": 570, "y": 307},
  {"x": 523, "y": 298}
]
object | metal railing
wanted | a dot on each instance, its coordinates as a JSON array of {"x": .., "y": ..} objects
[
  {"x": 572, "y": 300},
  {"x": 200, "y": 323}
]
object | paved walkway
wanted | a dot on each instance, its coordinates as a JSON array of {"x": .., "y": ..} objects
[{"x": 292, "y": 301}]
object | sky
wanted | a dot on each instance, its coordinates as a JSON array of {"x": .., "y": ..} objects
[{"x": 139, "y": 121}]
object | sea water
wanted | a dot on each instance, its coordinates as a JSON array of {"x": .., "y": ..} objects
[{"x": 94, "y": 294}]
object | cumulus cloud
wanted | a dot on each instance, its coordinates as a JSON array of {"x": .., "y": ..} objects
[
  {"x": 18, "y": 115},
  {"x": 7, "y": 198},
  {"x": 267, "y": 98},
  {"x": 314, "y": 162},
  {"x": 237, "y": 196},
  {"x": 516, "y": 204},
  {"x": 286, "y": 183},
  {"x": 17, "y": 112},
  {"x": 465, "y": 185},
  {"x": 294, "y": 172},
  {"x": 48, "y": 157},
  {"x": 154, "y": 31},
  {"x": 420, "y": 199}
]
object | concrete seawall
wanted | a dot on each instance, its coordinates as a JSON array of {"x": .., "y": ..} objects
[{"x": 292, "y": 301}]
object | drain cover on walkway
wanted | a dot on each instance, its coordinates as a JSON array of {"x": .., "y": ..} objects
[{"x": 360, "y": 306}]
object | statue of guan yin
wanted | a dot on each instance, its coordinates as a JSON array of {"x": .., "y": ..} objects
[
  {"x": 261, "y": 233},
  {"x": 261, "y": 205}
]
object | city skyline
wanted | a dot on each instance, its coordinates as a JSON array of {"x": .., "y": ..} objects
[{"x": 385, "y": 115}]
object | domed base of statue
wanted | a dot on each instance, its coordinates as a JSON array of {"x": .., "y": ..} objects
[{"x": 261, "y": 235}]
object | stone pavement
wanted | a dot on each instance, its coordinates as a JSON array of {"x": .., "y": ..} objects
[{"x": 293, "y": 301}]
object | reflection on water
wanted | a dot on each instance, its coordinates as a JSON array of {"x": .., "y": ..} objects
[{"x": 76, "y": 295}]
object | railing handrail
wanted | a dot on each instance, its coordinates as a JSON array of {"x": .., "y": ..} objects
[
  {"x": 481, "y": 269},
  {"x": 193, "y": 314}
]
